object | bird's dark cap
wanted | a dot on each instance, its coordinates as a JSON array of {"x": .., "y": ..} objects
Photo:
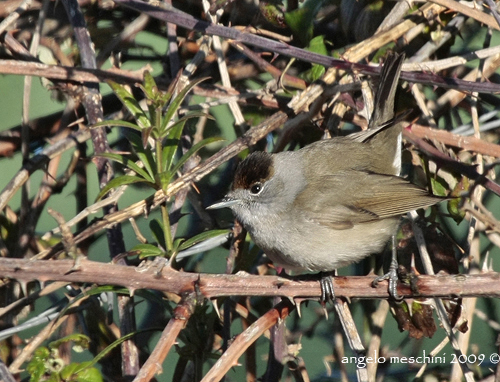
[{"x": 257, "y": 167}]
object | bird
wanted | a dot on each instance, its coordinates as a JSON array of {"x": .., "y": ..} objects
[{"x": 334, "y": 201}]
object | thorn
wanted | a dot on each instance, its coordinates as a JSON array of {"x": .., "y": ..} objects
[
  {"x": 291, "y": 299},
  {"x": 297, "y": 305},
  {"x": 24, "y": 287},
  {"x": 409, "y": 305},
  {"x": 413, "y": 267},
  {"x": 216, "y": 308},
  {"x": 484, "y": 268},
  {"x": 131, "y": 291}
]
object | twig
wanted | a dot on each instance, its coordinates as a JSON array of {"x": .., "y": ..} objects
[
  {"x": 440, "y": 309},
  {"x": 352, "y": 336},
  {"x": 378, "y": 319},
  {"x": 493, "y": 10},
  {"x": 453, "y": 97},
  {"x": 444, "y": 160},
  {"x": 473, "y": 144},
  {"x": 127, "y": 34},
  {"x": 181, "y": 315},
  {"x": 245, "y": 339},
  {"x": 262, "y": 64},
  {"x": 23, "y": 7},
  {"x": 450, "y": 62},
  {"x": 187, "y": 21},
  {"x": 22, "y": 302},
  {"x": 221, "y": 62},
  {"x": 470, "y": 11},
  {"x": 5, "y": 374},
  {"x": 471, "y": 262},
  {"x": 37, "y": 340},
  {"x": 59, "y": 72},
  {"x": 38, "y": 162},
  {"x": 93, "y": 107}
]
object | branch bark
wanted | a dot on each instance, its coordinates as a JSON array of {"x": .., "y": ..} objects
[{"x": 219, "y": 285}]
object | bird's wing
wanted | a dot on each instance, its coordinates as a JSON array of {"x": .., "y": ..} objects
[{"x": 333, "y": 201}]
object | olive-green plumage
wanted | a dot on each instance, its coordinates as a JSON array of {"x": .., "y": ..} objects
[{"x": 333, "y": 202}]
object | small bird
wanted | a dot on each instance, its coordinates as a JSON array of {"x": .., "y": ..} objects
[{"x": 334, "y": 201}]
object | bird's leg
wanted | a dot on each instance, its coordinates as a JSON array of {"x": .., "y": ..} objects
[
  {"x": 326, "y": 284},
  {"x": 392, "y": 275}
]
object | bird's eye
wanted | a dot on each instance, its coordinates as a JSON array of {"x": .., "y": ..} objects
[{"x": 256, "y": 188}]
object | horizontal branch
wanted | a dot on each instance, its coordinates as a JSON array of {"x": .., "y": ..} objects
[
  {"x": 218, "y": 285},
  {"x": 67, "y": 73},
  {"x": 187, "y": 21},
  {"x": 473, "y": 144}
]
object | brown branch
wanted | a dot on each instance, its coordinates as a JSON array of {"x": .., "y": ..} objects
[
  {"x": 452, "y": 164},
  {"x": 37, "y": 340},
  {"x": 39, "y": 161},
  {"x": 471, "y": 12},
  {"x": 474, "y": 144},
  {"x": 247, "y": 338},
  {"x": 265, "y": 66},
  {"x": 91, "y": 100},
  {"x": 219, "y": 285},
  {"x": 187, "y": 21},
  {"x": 58, "y": 72},
  {"x": 152, "y": 366}
]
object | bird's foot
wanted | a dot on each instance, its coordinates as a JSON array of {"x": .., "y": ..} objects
[
  {"x": 325, "y": 282},
  {"x": 392, "y": 277}
]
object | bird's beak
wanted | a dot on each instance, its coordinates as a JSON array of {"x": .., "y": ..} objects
[{"x": 227, "y": 201}]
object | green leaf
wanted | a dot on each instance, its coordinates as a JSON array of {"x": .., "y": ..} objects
[
  {"x": 36, "y": 367},
  {"x": 116, "y": 123},
  {"x": 147, "y": 250},
  {"x": 437, "y": 187},
  {"x": 301, "y": 20},
  {"x": 201, "y": 237},
  {"x": 172, "y": 143},
  {"x": 176, "y": 103},
  {"x": 188, "y": 117},
  {"x": 129, "y": 163},
  {"x": 149, "y": 88},
  {"x": 454, "y": 205},
  {"x": 193, "y": 151},
  {"x": 117, "y": 343},
  {"x": 176, "y": 244},
  {"x": 273, "y": 12},
  {"x": 131, "y": 104},
  {"x": 317, "y": 72},
  {"x": 81, "y": 372},
  {"x": 121, "y": 181},
  {"x": 156, "y": 228},
  {"x": 157, "y": 98},
  {"x": 90, "y": 374},
  {"x": 144, "y": 154},
  {"x": 317, "y": 45},
  {"x": 79, "y": 339}
]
